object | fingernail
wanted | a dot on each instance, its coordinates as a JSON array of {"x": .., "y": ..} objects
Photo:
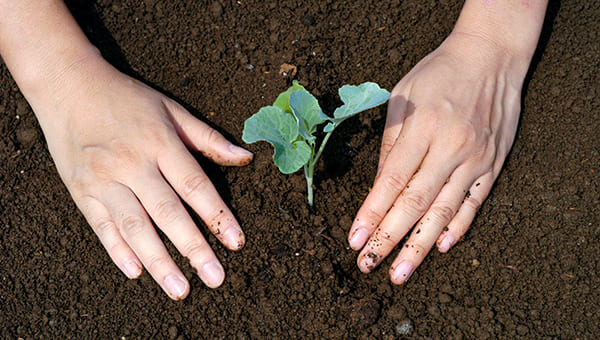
[
  {"x": 446, "y": 243},
  {"x": 403, "y": 272},
  {"x": 358, "y": 239},
  {"x": 212, "y": 274},
  {"x": 176, "y": 286},
  {"x": 233, "y": 238},
  {"x": 239, "y": 151},
  {"x": 132, "y": 269}
]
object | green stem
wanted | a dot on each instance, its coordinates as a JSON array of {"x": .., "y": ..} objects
[
  {"x": 309, "y": 168},
  {"x": 308, "y": 173},
  {"x": 316, "y": 158}
]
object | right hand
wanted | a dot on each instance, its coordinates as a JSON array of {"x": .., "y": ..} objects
[{"x": 121, "y": 149}]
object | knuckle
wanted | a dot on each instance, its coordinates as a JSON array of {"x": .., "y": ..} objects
[
  {"x": 373, "y": 215},
  {"x": 132, "y": 225},
  {"x": 417, "y": 248},
  {"x": 395, "y": 180},
  {"x": 442, "y": 213},
  {"x": 387, "y": 144},
  {"x": 155, "y": 263},
  {"x": 488, "y": 154},
  {"x": 463, "y": 137},
  {"x": 462, "y": 229},
  {"x": 158, "y": 131},
  {"x": 416, "y": 202},
  {"x": 125, "y": 153},
  {"x": 104, "y": 227},
  {"x": 212, "y": 136},
  {"x": 166, "y": 211},
  {"x": 193, "y": 248},
  {"x": 193, "y": 183},
  {"x": 472, "y": 202},
  {"x": 387, "y": 239}
]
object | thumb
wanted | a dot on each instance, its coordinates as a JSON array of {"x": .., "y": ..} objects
[
  {"x": 396, "y": 113},
  {"x": 198, "y": 136}
]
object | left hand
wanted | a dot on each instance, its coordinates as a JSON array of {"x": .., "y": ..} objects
[{"x": 451, "y": 122}]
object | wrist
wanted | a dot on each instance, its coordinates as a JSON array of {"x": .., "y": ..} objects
[
  {"x": 41, "y": 44},
  {"x": 49, "y": 74},
  {"x": 512, "y": 26}
]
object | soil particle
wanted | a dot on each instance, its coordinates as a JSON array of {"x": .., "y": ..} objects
[
  {"x": 338, "y": 234},
  {"x": 216, "y": 9},
  {"x": 365, "y": 312},
  {"x": 185, "y": 81},
  {"x": 173, "y": 332},
  {"x": 308, "y": 20},
  {"x": 445, "y": 298},
  {"x": 280, "y": 250},
  {"x": 22, "y": 108},
  {"x": 433, "y": 310},
  {"x": 27, "y": 136},
  {"x": 394, "y": 55},
  {"x": 522, "y": 330}
]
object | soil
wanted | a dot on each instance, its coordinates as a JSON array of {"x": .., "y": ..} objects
[{"x": 529, "y": 267}]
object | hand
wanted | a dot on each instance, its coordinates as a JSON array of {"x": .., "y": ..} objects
[
  {"x": 120, "y": 148},
  {"x": 451, "y": 122}
]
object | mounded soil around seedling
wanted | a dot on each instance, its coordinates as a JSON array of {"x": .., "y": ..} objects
[{"x": 527, "y": 268}]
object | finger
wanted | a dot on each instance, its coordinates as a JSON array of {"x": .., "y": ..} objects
[
  {"x": 402, "y": 162},
  {"x": 397, "y": 111},
  {"x": 170, "y": 216},
  {"x": 201, "y": 137},
  {"x": 137, "y": 230},
  {"x": 409, "y": 207},
  {"x": 427, "y": 230},
  {"x": 105, "y": 228},
  {"x": 191, "y": 183},
  {"x": 466, "y": 213}
]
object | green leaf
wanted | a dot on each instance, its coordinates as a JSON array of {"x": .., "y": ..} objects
[
  {"x": 280, "y": 129},
  {"x": 307, "y": 111},
  {"x": 359, "y": 98},
  {"x": 283, "y": 100}
]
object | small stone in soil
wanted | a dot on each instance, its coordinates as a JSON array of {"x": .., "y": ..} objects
[
  {"x": 308, "y": 20},
  {"x": 173, "y": 332},
  {"x": 404, "y": 327}
]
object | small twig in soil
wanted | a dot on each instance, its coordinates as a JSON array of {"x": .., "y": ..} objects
[
  {"x": 509, "y": 266},
  {"x": 282, "y": 210}
]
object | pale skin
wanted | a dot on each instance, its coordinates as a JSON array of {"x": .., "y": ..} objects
[
  {"x": 451, "y": 123},
  {"x": 123, "y": 149}
]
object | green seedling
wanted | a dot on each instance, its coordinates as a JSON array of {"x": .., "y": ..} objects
[{"x": 291, "y": 122}]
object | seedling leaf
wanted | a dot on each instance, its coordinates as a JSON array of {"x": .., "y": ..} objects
[
  {"x": 289, "y": 125},
  {"x": 307, "y": 111},
  {"x": 280, "y": 129},
  {"x": 359, "y": 98},
  {"x": 283, "y": 100}
]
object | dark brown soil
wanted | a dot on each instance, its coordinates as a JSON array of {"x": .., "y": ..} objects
[{"x": 528, "y": 268}]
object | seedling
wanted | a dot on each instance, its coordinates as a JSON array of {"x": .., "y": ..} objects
[{"x": 291, "y": 122}]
